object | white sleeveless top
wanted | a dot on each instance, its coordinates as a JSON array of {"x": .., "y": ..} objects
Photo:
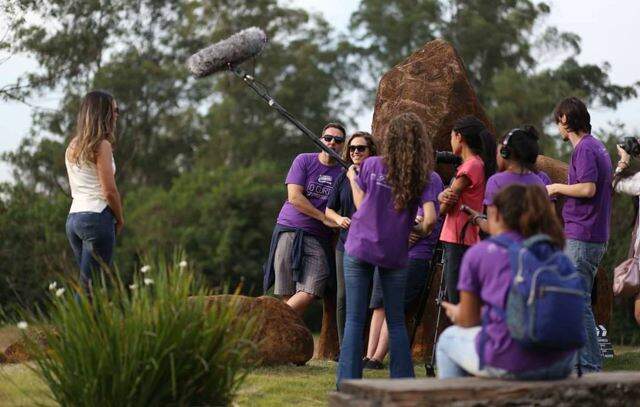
[{"x": 85, "y": 187}]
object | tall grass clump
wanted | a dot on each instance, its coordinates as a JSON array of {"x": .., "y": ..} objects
[{"x": 154, "y": 342}]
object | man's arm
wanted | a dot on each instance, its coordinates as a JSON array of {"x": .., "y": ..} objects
[
  {"x": 581, "y": 190},
  {"x": 295, "y": 196}
]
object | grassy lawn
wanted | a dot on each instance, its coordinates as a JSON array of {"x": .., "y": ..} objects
[{"x": 277, "y": 386}]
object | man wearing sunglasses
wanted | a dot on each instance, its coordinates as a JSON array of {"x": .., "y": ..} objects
[{"x": 301, "y": 256}]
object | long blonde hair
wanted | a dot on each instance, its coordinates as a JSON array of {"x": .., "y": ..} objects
[
  {"x": 408, "y": 153},
  {"x": 96, "y": 121}
]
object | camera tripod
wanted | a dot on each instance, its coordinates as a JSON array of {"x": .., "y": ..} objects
[{"x": 436, "y": 261}]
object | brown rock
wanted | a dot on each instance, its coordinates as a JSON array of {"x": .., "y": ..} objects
[
  {"x": 22, "y": 350},
  {"x": 281, "y": 335},
  {"x": 555, "y": 169},
  {"x": 432, "y": 83}
]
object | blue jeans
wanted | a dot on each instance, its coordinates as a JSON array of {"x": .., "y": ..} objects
[
  {"x": 417, "y": 270},
  {"x": 587, "y": 256},
  {"x": 92, "y": 236},
  {"x": 358, "y": 276},
  {"x": 456, "y": 356}
]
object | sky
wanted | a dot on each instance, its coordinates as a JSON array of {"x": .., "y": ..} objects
[{"x": 605, "y": 26}]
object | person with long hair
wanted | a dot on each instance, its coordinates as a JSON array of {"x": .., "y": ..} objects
[
  {"x": 301, "y": 258},
  {"x": 478, "y": 164},
  {"x": 516, "y": 212},
  {"x": 587, "y": 209},
  {"x": 627, "y": 181},
  {"x": 340, "y": 208},
  {"x": 421, "y": 250},
  {"x": 95, "y": 216},
  {"x": 387, "y": 191}
]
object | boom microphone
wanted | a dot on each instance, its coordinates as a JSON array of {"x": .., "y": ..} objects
[{"x": 231, "y": 51}]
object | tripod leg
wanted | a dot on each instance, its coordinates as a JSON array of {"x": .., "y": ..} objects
[
  {"x": 430, "y": 367},
  {"x": 424, "y": 296}
]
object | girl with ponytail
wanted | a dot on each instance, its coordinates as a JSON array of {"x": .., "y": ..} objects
[
  {"x": 387, "y": 191},
  {"x": 469, "y": 140},
  {"x": 518, "y": 211}
]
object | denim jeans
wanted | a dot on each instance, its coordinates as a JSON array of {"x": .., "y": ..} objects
[
  {"x": 587, "y": 256},
  {"x": 341, "y": 309},
  {"x": 452, "y": 257},
  {"x": 358, "y": 276},
  {"x": 92, "y": 236},
  {"x": 456, "y": 356},
  {"x": 416, "y": 278}
]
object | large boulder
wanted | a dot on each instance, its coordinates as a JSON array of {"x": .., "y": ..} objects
[
  {"x": 281, "y": 336},
  {"x": 432, "y": 83}
]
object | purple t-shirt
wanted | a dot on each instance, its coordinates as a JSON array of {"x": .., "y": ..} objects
[
  {"x": 317, "y": 180},
  {"x": 378, "y": 233},
  {"x": 423, "y": 248},
  {"x": 546, "y": 180},
  {"x": 499, "y": 180},
  {"x": 587, "y": 219},
  {"x": 485, "y": 271}
]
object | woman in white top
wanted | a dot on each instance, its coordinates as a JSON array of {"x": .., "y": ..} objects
[
  {"x": 627, "y": 182},
  {"x": 96, "y": 212}
]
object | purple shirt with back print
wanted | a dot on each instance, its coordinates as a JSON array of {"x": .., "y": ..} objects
[
  {"x": 317, "y": 180},
  {"x": 587, "y": 219},
  {"x": 499, "y": 180},
  {"x": 486, "y": 272},
  {"x": 423, "y": 248},
  {"x": 379, "y": 234}
]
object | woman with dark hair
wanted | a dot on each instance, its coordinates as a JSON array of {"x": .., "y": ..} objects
[
  {"x": 467, "y": 189},
  {"x": 626, "y": 181},
  {"x": 96, "y": 215},
  {"x": 387, "y": 191},
  {"x": 516, "y": 157},
  {"x": 339, "y": 209},
  {"x": 516, "y": 213}
]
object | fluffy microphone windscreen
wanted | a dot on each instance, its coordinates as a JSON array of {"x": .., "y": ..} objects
[{"x": 233, "y": 50}]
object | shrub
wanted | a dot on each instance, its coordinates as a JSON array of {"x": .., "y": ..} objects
[{"x": 143, "y": 344}]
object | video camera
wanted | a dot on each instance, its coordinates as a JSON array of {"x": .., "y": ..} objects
[{"x": 447, "y": 157}]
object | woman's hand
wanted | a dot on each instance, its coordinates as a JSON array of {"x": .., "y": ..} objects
[
  {"x": 119, "y": 226},
  {"x": 624, "y": 156},
  {"x": 449, "y": 197},
  {"x": 452, "y": 310},
  {"x": 352, "y": 173},
  {"x": 344, "y": 222}
]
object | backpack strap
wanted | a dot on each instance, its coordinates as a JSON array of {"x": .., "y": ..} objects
[{"x": 535, "y": 239}]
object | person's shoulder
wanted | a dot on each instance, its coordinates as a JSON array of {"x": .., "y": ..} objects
[
  {"x": 544, "y": 177},
  {"x": 472, "y": 165},
  {"x": 435, "y": 178}
]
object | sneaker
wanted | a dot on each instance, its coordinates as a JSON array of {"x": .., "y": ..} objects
[
  {"x": 365, "y": 360},
  {"x": 373, "y": 364}
]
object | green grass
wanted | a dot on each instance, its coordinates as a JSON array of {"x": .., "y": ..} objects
[{"x": 276, "y": 386}]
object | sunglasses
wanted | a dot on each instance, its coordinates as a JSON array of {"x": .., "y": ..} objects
[
  {"x": 337, "y": 139},
  {"x": 360, "y": 149}
]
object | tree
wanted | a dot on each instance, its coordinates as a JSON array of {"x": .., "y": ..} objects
[
  {"x": 137, "y": 50},
  {"x": 497, "y": 41}
]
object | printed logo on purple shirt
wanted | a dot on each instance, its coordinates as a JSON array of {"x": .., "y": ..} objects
[{"x": 321, "y": 188}]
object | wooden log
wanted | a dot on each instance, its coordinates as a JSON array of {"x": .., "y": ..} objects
[{"x": 597, "y": 390}]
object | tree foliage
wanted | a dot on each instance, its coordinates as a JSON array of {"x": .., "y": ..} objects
[
  {"x": 500, "y": 41},
  {"x": 201, "y": 162}
]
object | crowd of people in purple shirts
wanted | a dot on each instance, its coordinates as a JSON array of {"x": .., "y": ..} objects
[{"x": 390, "y": 210}]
